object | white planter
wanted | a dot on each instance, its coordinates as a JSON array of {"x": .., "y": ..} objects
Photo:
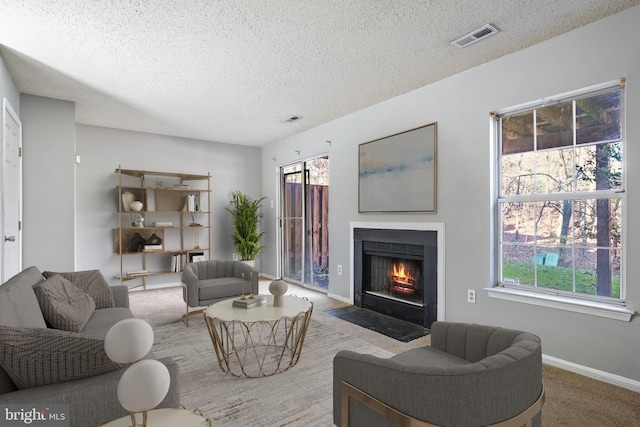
[{"x": 250, "y": 262}]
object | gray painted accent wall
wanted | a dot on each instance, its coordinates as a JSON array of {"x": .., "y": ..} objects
[
  {"x": 102, "y": 150},
  {"x": 48, "y": 145},
  {"x": 603, "y": 51}
]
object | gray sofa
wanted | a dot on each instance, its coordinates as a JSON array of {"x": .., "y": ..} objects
[
  {"x": 206, "y": 282},
  {"x": 471, "y": 375},
  {"x": 26, "y": 336}
]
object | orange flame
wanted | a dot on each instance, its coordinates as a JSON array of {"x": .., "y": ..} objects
[{"x": 399, "y": 274}]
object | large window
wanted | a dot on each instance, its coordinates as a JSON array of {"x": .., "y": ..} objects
[{"x": 560, "y": 195}]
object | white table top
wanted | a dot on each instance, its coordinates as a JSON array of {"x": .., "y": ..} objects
[{"x": 292, "y": 306}]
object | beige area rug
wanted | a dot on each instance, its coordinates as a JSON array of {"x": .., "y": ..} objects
[{"x": 302, "y": 396}]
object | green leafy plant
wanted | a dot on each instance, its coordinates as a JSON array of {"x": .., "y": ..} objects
[{"x": 246, "y": 213}]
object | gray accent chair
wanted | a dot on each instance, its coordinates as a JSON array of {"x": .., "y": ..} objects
[
  {"x": 471, "y": 375},
  {"x": 206, "y": 282}
]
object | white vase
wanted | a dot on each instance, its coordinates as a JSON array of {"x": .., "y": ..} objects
[
  {"x": 136, "y": 205},
  {"x": 278, "y": 289},
  {"x": 127, "y": 198}
]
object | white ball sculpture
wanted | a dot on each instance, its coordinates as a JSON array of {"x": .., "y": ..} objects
[
  {"x": 143, "y": 386},
  {"x": 128, "y": 341},
  {"x": 146, "y": 382}
]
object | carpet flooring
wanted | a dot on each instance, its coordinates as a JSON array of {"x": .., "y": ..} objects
[
  {"x": 397, "y": 329},
  {"x": 302, "y": 396}
]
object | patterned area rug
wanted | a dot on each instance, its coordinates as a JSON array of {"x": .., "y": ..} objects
[
  {"x": 397, "y": 329},
  {"x": 301, "y": 396}
]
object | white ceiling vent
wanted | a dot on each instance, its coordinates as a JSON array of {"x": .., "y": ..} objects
[{"x": 476, "y": 35}]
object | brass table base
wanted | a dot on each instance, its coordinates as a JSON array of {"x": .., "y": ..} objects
[{"x": 258, "y": 348}]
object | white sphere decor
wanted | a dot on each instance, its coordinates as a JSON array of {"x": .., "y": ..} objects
[
  {"x": 128, "y": 341},
  {"x": 143, "y": 385}
]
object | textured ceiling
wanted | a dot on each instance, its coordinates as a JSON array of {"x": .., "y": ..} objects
[{"x": 232, "y": 70}]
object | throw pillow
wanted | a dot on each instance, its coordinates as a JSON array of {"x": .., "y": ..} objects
[
  {"x": 63, "y": 304},
  {"x": 92, "y": 282},
  {"x": 35, "y": 356}
]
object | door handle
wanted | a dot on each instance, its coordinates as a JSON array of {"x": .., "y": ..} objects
[{"x": 10, "y": 238}]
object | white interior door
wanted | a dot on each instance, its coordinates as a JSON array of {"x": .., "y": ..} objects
[{"x": 11, "y": 193}]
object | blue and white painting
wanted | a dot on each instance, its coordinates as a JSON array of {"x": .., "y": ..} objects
[{"x": 398, "y": 173}]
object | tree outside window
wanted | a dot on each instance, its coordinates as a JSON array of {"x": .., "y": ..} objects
[{"x": 561, "y": 195}]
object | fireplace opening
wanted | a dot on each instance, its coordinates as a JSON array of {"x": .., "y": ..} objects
[
  {"x": 394, "y": 277},
  {"x": 395, "y": 273}
]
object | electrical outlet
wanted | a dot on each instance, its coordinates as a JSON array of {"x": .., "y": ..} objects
[
  {"x": 235, "y": 256},
  {"x": 471, "y": 296},
  {"x": 339, "y": 270}
]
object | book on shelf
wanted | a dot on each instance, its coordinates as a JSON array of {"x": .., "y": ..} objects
[
  {"x": 163, "y": 224},
  {"x": 177, "y": 261},
  {"x": 152, "y": 248},
  {"x": 249, "y": 302},
  {"x": 193, "y": 203},
  {"x": 137, "y": 273}
]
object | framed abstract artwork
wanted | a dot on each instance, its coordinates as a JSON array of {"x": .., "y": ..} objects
[{"x": 398, "y": 173}]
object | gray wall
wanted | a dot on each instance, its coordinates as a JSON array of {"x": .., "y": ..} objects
[
  {"x": 600, "y": 52},
  {"x": 8, "y": 88},
  {"x": 70, "y": 209},
  {"x": 48, "y": 144},
  {"x": 102, "y": 150}
]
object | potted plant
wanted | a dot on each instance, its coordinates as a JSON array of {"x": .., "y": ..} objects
[{"x": 246, "y": 213}]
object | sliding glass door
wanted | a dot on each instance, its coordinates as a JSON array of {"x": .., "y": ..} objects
[{"x": 304, "y": 222}]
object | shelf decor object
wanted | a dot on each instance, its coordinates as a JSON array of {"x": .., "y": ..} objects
[
  {"x": 278, "y": 288},
  {"x": 154, "y": 220},
  {"x": 146, "y": 382},
  {"x": 127, "y": 199}
]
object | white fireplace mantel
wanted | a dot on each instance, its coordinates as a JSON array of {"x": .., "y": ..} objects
[{"x": 394, "y": 225}]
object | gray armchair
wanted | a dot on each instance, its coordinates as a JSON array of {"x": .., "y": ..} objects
[
  {"x": 206, "y": 282},
  {"x": 471, "y": 375}
]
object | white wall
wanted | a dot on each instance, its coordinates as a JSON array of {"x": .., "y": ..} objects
[
  {"x": 102, "y": 150},
  {"x": 600, "y": 52},
  {"x": 48, "y": 145}
]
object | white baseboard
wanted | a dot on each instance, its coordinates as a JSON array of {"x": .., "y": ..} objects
[
  {"x": 596, "y": 374},
  {"x": 330, "y": 295},
  {"x": 339, "y": 298}
]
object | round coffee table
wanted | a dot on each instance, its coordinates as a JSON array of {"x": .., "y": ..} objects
[{"x": 259, "y": 341}]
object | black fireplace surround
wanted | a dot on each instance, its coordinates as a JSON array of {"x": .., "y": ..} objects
[{"x": 379, "y": 254}]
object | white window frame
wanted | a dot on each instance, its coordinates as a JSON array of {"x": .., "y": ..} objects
[{"x": 602, "y": 307}]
